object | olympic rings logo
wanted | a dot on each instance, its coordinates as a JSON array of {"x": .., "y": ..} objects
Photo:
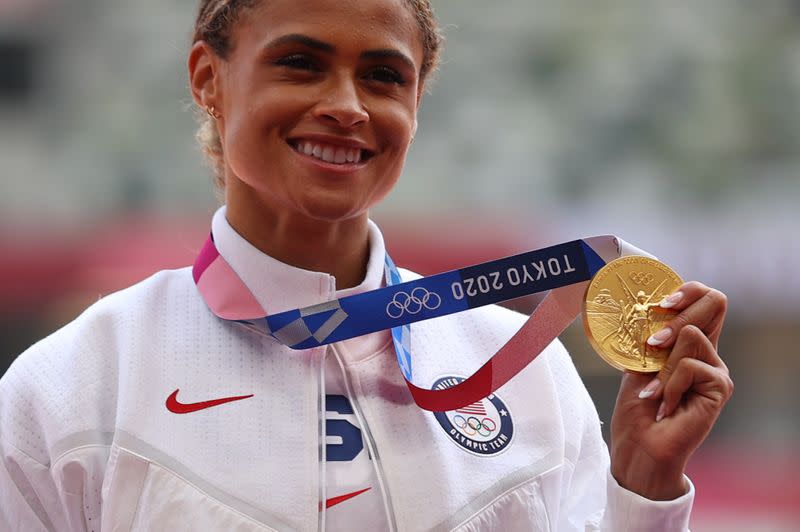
[
  {"x": 418, "y": 299},
  {"x": 641, "y": 278},
  {"x": 472, "y": 425}
]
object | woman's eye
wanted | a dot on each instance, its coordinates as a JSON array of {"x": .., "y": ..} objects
[
  {"x": 298, "y": 61},
  {"x": 385, "y": 75}
]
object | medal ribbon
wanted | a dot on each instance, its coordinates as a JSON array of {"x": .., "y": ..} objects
[{"x": 564, "y": 269}]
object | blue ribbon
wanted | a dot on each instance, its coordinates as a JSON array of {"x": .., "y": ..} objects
[{"x": 401, "y": 303}]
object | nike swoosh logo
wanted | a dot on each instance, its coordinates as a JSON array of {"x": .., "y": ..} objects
[
  {"x": 176, "y": 407},
  {"x": 341, "y": 498}
]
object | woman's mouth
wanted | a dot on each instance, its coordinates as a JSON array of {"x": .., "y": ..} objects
[{"x": 330, "y": 153}]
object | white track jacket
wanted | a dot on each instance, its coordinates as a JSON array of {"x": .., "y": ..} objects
[{"x": 88, "y": 443}]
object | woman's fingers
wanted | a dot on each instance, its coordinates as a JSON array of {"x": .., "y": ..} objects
[
  {"x": 712, "y": 385},
  {"x": 697, "y": 305},
  {"x": 693, "y": 364},
  {"x": 691, "y": 343}
]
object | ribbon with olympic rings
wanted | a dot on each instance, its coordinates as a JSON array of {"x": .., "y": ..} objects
[{"x": 564, "y": 269}]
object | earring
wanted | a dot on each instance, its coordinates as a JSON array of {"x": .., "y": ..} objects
[{"x": 213, "y": 113}]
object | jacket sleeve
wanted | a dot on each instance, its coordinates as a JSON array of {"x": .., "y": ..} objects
[
  {"x": 596, "y": 502},
  {"x": 45, "y": 483},
  {"x": 591, "y": 499}
]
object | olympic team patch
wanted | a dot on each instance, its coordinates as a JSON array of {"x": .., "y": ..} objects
[{"x": 483, "y": 428}]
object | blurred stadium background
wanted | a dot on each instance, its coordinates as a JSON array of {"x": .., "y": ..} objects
[{"x": 673, "y": 124}]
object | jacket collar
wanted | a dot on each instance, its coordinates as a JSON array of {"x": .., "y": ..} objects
[{"x": 277, "y": 286}]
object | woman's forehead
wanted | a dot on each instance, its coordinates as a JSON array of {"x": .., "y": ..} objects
[{"x": 368, "y": 22}]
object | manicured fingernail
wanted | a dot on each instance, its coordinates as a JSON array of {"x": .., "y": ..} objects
[
  {"x": 672, "y": 300},
  {"x": 660, "y": 337},
  {"x": 661, "y": 411},
  {"x": 650, "y": 389}
]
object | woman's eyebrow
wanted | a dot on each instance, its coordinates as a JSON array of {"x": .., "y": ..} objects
[{"x": 299, "y": 38}]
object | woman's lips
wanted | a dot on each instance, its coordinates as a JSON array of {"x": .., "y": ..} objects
[{"x": 331, "y": 153}]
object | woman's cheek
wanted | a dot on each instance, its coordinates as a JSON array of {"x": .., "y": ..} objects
[{"x": 243, "y": 150}]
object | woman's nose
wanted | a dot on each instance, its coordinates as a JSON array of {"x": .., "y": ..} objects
[{"x": 341, "y": 104}]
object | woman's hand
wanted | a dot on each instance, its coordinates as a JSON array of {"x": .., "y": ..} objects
[{"x": 659, "y": 422}]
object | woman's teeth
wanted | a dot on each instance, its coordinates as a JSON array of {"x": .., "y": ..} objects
[{"x": 328, "y": 153}]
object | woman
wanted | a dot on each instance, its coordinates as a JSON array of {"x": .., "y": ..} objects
[{"x": 149, "y": 412}]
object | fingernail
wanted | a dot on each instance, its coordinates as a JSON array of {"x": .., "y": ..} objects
[
  {"x": 650, "y": 389},
  {"x": 660, "y": 337},
  {"x": 672, "y": 300},
  {"x": 661, "y": 410}
]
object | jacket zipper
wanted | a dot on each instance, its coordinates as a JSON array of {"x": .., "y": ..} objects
[
  {"x": 322, "y": 438},
  {"x": 376, "y": 459},
  {"x": 322, "y": 432}
]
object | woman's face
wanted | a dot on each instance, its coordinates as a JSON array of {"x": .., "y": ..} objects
[{"x": 318, "y": 101}]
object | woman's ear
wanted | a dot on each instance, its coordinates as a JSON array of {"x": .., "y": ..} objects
[{"x": 203, "y": 67}]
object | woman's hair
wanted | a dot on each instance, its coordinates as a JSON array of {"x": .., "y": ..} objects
[{"x": 215, "y": 22}]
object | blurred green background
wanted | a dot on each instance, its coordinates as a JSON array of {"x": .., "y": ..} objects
[{"x": 675, "y": 125}]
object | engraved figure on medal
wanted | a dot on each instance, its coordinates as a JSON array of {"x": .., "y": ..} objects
[{"x": 639, "y": 319}]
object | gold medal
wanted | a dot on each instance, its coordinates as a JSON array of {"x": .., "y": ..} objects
[{"x": 621, "y": 310}]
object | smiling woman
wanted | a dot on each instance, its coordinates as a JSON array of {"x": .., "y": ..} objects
[
  {"x": 296, "y": 90},
  {"x": 213, "y": 26},
  {"x": 177, "y": 404}
]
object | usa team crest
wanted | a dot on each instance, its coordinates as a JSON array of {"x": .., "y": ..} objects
[{"x": 483, "y": 428}]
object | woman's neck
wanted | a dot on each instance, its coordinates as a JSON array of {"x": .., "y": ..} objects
[{"x": 340, "y": 248}]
